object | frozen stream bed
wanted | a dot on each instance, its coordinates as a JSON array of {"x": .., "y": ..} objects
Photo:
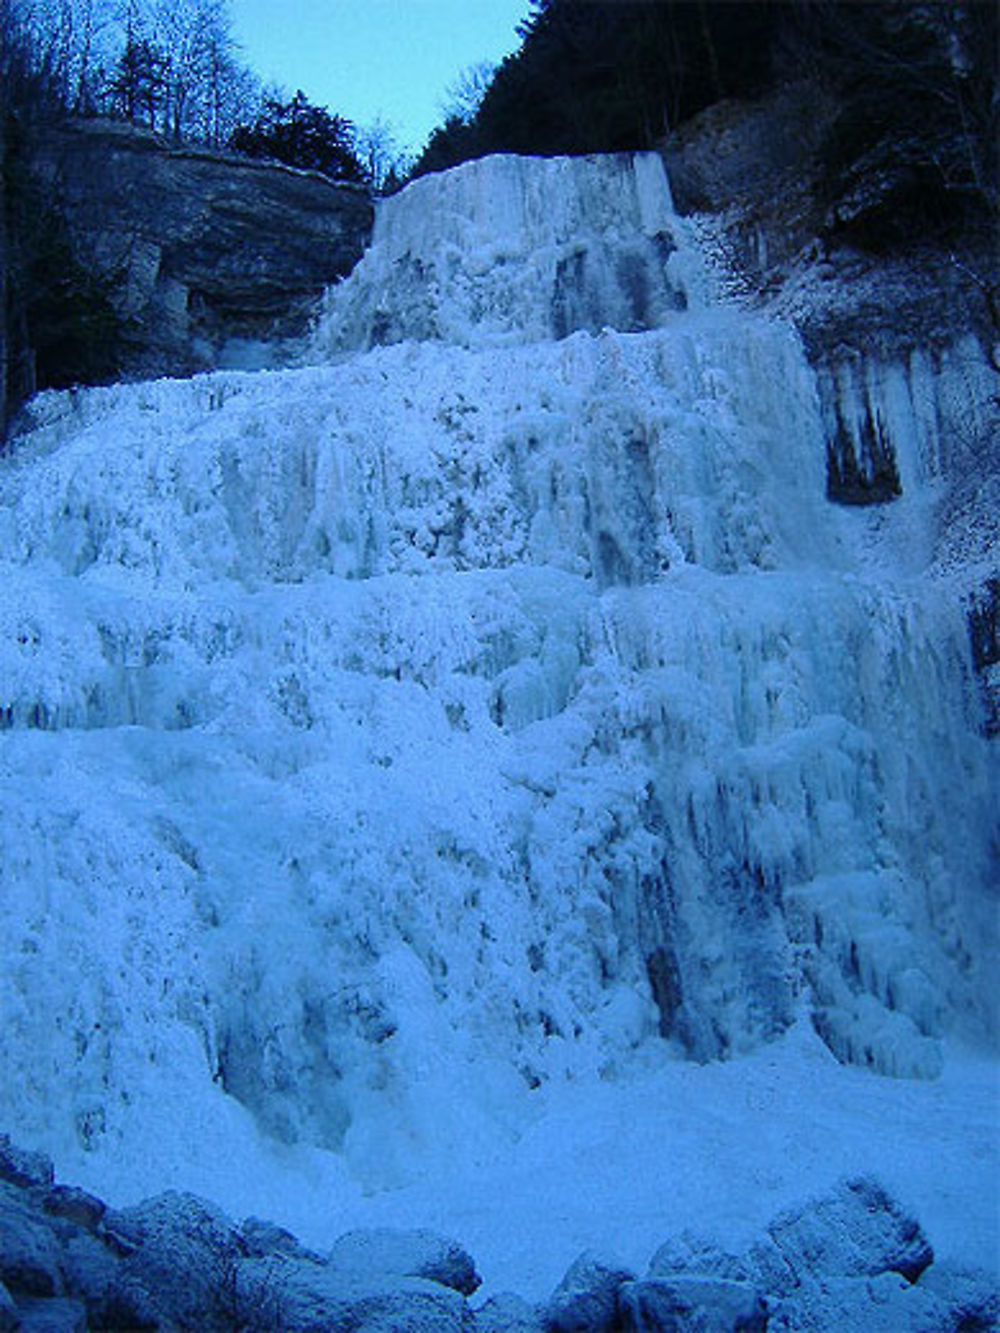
[{"x": 478, "y": 780}]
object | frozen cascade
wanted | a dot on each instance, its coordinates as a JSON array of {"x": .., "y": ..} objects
[
  {"x": 487, "y": 253},
  {"x": 475, "y": 712}
]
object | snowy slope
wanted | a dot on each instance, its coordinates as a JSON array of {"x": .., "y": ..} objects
[{"x": 402, "y": 751}]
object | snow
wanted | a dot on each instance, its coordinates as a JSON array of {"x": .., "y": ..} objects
[{"x": 450, "y": 784}]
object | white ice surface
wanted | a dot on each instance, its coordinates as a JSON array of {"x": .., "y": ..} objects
[
  {"x": 618, "y": 1167},
  {"x": 407, "y": 762}
]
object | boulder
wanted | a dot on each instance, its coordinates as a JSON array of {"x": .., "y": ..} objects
[
  {"x": 855, "y": 1231},
  {"x": 75, "y": 1205},
  {"x": 383, "y": 1251},
  {"x": 29, "y": 1255},
  {"x": 691, "y": 1253},
  {"x": 21, "y": 1167},
  {"x": 88, "y": 1268},
  {"x": 886, "y": 1303},
  {"x": 54, "y": 1316},
  {"x": 184, "y": 1261},
  {"x": 130, "y": 1308},
  {"x": 690, "y": 1304},
  {"x": 970, "y": 1297},
  {"x": 298, "y": 1297},
  {"x": 507, "y": 1313},
  {"x": 260, "y": 1238},
  {"x": 586, "y": 1300}
]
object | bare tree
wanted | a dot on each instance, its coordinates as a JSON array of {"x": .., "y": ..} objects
[
  {"x": 465, "y": 93},
  {"x": 378, "y": 150}
]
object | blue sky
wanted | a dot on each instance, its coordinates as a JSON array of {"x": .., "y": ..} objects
[{"x": 365, "y": 58}]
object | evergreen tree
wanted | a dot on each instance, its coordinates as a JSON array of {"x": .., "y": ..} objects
[
  {"x": 301, "y": 135},
  {"x": 139, "y": 83}
]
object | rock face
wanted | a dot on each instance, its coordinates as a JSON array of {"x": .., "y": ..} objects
[
  {"x": 204, "y": 248},
  {"x": 899, "y": 321},
  {"x": 757, "y": 173}
]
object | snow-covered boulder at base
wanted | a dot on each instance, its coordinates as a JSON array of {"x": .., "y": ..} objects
[
  {"x": 178, "y": 1263},
  {"x": 411, "y": 751}
]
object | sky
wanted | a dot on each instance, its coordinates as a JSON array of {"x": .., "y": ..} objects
[{"x": 368, "y": 59}]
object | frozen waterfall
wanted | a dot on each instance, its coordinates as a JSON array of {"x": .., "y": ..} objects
[
  {"x": 496, "y": 702},
  {"x": 490, "y": 253}
]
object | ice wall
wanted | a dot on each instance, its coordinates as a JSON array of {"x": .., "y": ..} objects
[
  {"x": 510, "y": 249},
  {"x": 421, "y": 727}
]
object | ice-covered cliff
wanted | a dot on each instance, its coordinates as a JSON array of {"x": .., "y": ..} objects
[{"x": 388, "y": 739}]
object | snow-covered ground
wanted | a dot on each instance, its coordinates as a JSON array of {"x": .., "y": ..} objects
[
  {"x": 615, "y": 1166},
  {"x": 453, "y": 782}
]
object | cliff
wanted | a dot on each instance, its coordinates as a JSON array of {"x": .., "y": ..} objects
[
  {"x": 892, "y": 285},
  {"x": 196, "y": 252},
  {"x": 846, "y": 255}
]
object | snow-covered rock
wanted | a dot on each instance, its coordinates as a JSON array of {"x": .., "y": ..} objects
[
  {"x": 176, "y": 1262},
  {"x": 185, "y": 1254},
  {"x": 588, "y": 1297},
  {"x": 303, "y": 1298},
  {"x": 857, "y": 1231},
  {"x": 699, "y": 1256},
  {"x": 29, "y": 1255},
  {"x": 508, "y": 1313},
  {"x": 692, "y": 1304},
  {"x": 405, "y": 1254},
  {"x": 19, "y": 1166}
]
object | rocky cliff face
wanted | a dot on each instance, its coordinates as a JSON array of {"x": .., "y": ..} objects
[
  {"x": 836, "y": 254},
  {"x": 200, "y": 249},
  {"x": 899, "y": 321}
]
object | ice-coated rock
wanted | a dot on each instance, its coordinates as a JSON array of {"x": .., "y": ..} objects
[
  {"x": 302, "y": 1297},
  {"x": 507, "y": 249},
  {"x": 839, "y": 1263},
  {"x": 52, "y": 1316},
  {"x": 586, "y": 1300},
  {"x": 885, "y": 1303},
  {"x": 590, "y": 735},
  {"x": 19, "y": 1166},
  {"x": 185, "y": 1259},
  {"x": 692, "y": 1304},
  {"x": 508, "y": 1313},
  {"x": 29, "y": 1255},
  {"x": 382, "y": 1251},
  {"x": 857, "y": 1230},
  {"x": 694, "y": 1254},
  {"x": 851, "y": 1260},
  {"x": 970, "y": 1296}
]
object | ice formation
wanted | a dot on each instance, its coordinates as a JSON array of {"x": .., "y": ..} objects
[
  {"x": 451, "y": 718},
  {"x": 498, "y": 255}
]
